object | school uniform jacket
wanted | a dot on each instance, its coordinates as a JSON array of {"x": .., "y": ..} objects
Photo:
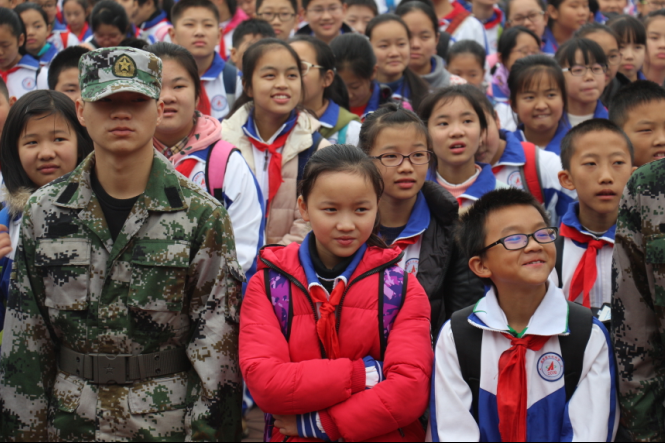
[
  {"x": 591, "y": 414},
  {"x": 470, "y": 29},
  {"x": 601, "y": 292},
  {"x": 44, "y": 64},
  {"x": 293, "y": 377},
  {"x": 555, "y": 144},
  {"x": 507, "y": 170},
  {"x": 485, "y": 182},
  {"x": 329, "y": 120},
  {"x": 213, "y": 82},
  {"x": 435, "y": 257},
  {"x": 156, "y": 29},
  {"x": 23, "y": 77}
]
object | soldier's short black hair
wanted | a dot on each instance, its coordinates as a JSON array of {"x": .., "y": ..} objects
[
  {"x": 631, "y": 96},
  {"x": 471, "y": 233},
  {"x": 568, "y": 146},
  {"x": 67, "y": 59},
  {"x": 183, "y": 5},
  {"x": 253, "y": 26}
]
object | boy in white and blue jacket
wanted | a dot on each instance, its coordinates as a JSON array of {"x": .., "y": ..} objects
[
  {"x": 528, "y": 341},
  {"x": 597, "y": 159}
]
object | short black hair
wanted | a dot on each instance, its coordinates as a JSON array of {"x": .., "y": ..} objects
[
  {"x": 253, "y": 26},
  {"x": 294, "y": 3},
  {"x": 631, "y": 96},
  {"x": 591, "y": 52},
  {"x": 109, "y": 12},
  {"x": 471, "y": 47},
  {"x": 629, "y": 29},
  {"x": 183, "y": 5},
  {"x": 68, "y": 58},
  {"x": 568, "y": 147},
  {"x": 508, "y": 41},
  {"x": 305, "y": 3},
  {"x": 366, "y": 3},
  {"x": 591, "y": 28},
  {"x": 471, "y": 232},
  {"x": 133, "y": 42}
]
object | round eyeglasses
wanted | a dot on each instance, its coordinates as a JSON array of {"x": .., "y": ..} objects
[
  {"x": 394, "y": 160},
  {"x": 516, "y": 242}
]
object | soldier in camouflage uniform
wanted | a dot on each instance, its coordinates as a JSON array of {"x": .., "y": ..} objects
[
  {"x": 638, "y": 304},
  {"x": 126, "y": 338}
]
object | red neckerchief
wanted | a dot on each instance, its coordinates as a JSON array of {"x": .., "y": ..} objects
[
  {"x": 275, "y": 169},
  {"x": 81, "y": 34},
  {"x": 404, "y": 243},
  {"x": 586, "y": 273},
  {"x": 5, "y": 74},
  {"x": 222, "y": 44},
  {"x": 325, "y": 327},
  {"x": 204, "y": 102},
  {"x": 497, "y": 20},
  {"x": 511, "y": 394},
  {"x": 457, "y": 9}
]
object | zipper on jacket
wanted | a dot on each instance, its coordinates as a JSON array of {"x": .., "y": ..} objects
[
  {"x": 300, "y": 286},
  {"x": 265, "y": 163},
  {"x": 361, "y": 277}
]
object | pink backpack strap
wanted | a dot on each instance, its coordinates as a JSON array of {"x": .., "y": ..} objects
[{"x": 218, "y": 158}]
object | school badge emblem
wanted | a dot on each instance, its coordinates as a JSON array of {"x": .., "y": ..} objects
[
  {"x": 550, "y": 367},
  {"x": 124, "y": 67}
]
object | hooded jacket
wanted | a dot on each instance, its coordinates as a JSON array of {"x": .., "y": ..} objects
[
  {"x": 284, "y": 224},
  {"x": 440, "y": 77},
  {"x": 292, "y": 377}
]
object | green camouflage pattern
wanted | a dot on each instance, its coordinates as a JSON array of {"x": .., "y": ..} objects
[
  {"x": 638, "y": 303},
  {"x": 108, "y": 71},
  {"x": 170, "y": 280}
]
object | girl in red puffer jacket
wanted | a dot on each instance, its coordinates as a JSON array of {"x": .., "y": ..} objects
[{"x": 334, "y": 336}]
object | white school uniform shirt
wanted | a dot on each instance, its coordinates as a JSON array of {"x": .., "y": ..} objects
[
  {"x": 592, "y": 414},
  {"x": 24, "y": 79},
  {"x": 155, "y": 30},
  {"x": 470, "y": 29},
  {"x": 213, "y": 82},
  {"x": 601, "y": 292},
  {"x": 56, "y": 39}
]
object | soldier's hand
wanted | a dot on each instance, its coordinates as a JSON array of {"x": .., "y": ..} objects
[
  {"x": 5, "y": 242},
  {"x": 286, "y": 424}
]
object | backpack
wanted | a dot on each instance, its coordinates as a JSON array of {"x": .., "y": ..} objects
[
  {"x": 530, "y": 172},
  {"x": 216, "y": 157},
  {"x": 580, "y": 323},
  {"x": 559, "y": 258},
  {"x": 392, "y": 292},
  {"x": 230, "y": 79}
]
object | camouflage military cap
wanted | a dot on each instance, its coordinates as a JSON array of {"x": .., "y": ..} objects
[{"x": 108, "y": 71}]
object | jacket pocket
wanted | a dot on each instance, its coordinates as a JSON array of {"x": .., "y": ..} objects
[
  {"x": 655, "y": 256},
  {"x": 65, "y": 265},
  {"x": 67, "y": 392},
  {"x": 158, "y": 395},
  {"x": 159, "y": 275}
]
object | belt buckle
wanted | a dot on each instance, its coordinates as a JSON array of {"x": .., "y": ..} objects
[{"x": 111, "y": 369}]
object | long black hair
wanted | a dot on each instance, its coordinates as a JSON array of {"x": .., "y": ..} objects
[
  {"x": 414, "y": 83},
  {"x": 31, "y": 6},
  {"x": 591, "y": 51},
  {"x": 170, "y": 51},
  {"x": 250, "y": 61},
  {"x": 354, "y": 52},
  {"x": 418, "y": 6},
  {"x": 508, "y": 41},
  {"x": 36, "y": 104},
  {"x": 344, "y": 158},
  {"x": 12, "y": 20},
  {"x": 325, "y": 57}
]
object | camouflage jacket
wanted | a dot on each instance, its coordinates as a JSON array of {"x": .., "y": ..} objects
[
  {"x": 170, "y": 280},
  {"x": 638, "y": 303}
]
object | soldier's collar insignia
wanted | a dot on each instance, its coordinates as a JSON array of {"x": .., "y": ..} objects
[{"x": 124, "y": 67}]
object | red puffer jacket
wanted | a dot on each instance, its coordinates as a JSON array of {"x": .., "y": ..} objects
[{"x": 292, "y": 377}]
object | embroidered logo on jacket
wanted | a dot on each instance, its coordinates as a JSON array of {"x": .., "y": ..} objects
[{"x": 550, "y": 367}]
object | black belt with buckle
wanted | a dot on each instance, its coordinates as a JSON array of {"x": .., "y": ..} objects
[{"x": 122, "y": 369}]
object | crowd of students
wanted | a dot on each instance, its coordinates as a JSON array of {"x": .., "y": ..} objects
[{"x": 424, "y": 198}]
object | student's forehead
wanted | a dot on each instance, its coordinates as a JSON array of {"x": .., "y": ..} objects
[
  {"x": 199, "y": 12},
  {"x": 522, "y": 219},
  {"x": 653, "y": 111},
  {"x": 602, "y": 142},
  {"x": 323, "y": 3},
  {"x": 276, "y": 4}
]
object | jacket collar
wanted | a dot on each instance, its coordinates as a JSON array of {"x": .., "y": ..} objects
[
  {"x": 571, "y": 219},
  {"x": 374, "y": 100},
  {"x": 555, "y": 144},
  {"x": 215, "y": 69},
  {"x": 601, "y": 111},
  {"x": 252, "y": 131},
  {"x": 163, "y": 193},
  {"x": 550, "y": 318},
  {"x": 49, "y": 55},
  {"x": 310, "y": 273},
  {"x": 486, "y": 182},
  {"x": 330, "y": 116},
  {"x": 513, "y": 155},
  {"x": 28, "y": 62},
  {"x": 550, "y": 45},
  {"x": 155, "y": 20},
  {"x": 418, "y": 221}
]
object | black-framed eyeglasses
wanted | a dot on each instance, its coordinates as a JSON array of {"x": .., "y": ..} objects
[
  {"x": 579, "y": 70},
  {"x": 394, "y": 160},
  {"x": 532, "y": 17},
  {"x": 270, "y": 16},
  {"x": 516, "y": 242}
]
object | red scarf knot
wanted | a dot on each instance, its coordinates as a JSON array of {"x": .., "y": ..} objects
[
  {"x": 587, "y": 272},
  {"x": 511, "y": 395},
  {"x": 326, "y": 327}
]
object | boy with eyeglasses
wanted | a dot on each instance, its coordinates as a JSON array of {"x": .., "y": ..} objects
[
  {"x": 281, "y": 14},
  {"x": 195, "y": 27},
  {"x": 325, "y": 19},
  {"x": 597, "y": 159},
  {"x": 523, "y": 364}
]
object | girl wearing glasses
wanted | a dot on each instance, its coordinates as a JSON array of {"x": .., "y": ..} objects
[
  {"x": 457, "y": 124},
  {"x": 281, "y": 14},
  {"x": 325, "y": 93},
  {"x": 532, "y": 15},
  {"x": 585, "y": 68},
  {"x": 325, "y": 19},
  {"x": 273, "y": 135},
  {"x": 418, "y": 216},
  {"x": 610, "y": 43}
]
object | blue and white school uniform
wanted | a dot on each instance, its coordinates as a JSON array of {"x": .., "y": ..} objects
[
  {"x": 601, "y": 292},
  {"x": 599, "y": 112},
  {"x": 400, "y": 90},
  {"x": 418, "y": 223},
  {"x": 349, "y": 134},
  {"x": 507, "y": 170},
  {"x": 555, "y": 144},
  {"x": 156, "y": 29},
  {"x": 374, "y": 101},
  {"x": 591, "y": 414},
  {"x": 45, "y": 60},
  {"x": 550, "y": 46},
  {"x": 23, "y": 77},
  {"x": 485, "y": 182},
  {"x": 65, "y": 39},
  {"x": 385, "y": 6},
  {"x": 213, "y": 82}
]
